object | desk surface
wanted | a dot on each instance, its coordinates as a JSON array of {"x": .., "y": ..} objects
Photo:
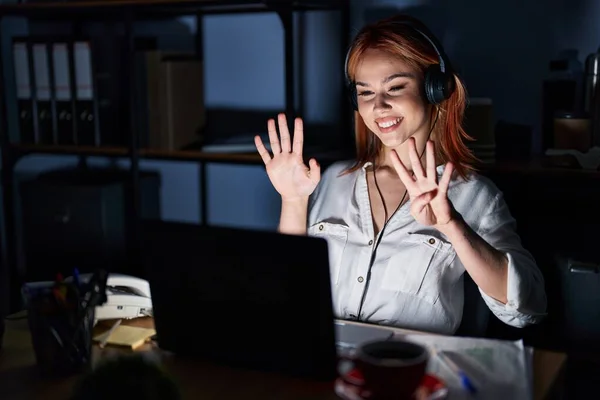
[{"x": 19, "y": 378}]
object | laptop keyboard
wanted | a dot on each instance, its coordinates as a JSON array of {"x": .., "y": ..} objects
[{"x": 349, "y": 336}]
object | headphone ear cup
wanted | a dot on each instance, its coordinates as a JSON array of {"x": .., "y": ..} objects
[{"x": 438, "y": 85}]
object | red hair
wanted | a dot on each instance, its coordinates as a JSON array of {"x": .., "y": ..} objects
[{"x": 402, "y": 41}]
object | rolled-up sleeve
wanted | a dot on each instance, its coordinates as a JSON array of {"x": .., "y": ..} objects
[{"x": 526, "y": 292}]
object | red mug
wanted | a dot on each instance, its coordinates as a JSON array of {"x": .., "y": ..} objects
[{"x": 386, "y": 369}]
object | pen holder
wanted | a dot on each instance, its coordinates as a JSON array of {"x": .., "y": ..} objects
[{"x": 61, "y": 331}]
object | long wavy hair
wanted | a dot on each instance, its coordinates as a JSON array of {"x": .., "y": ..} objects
[{"x": 402, "y": 41}]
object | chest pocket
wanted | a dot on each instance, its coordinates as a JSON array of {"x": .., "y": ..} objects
[
  {"x": 337, "y": 237},
  {"x": 417, "y": 267}
]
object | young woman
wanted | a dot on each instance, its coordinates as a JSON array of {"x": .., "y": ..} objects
[{"x": 409, "y": 217}]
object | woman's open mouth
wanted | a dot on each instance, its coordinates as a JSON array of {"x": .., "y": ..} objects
[{"x": 387, "y": 125}]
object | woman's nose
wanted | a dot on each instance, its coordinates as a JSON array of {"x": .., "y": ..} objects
[{"x": 381, "y": 103}]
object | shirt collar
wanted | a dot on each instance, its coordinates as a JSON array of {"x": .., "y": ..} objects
[{"x": 439, "y": 169}]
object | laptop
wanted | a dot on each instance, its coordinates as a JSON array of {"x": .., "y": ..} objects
[{"x": 243, "y": 298}]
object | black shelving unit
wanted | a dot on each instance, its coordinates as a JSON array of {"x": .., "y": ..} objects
[{"x": 128, "y": 12}]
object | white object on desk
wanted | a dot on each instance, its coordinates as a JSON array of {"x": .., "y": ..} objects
[
  {"x": 127, "y": 297},
  {"x": 499, "y": 369}
]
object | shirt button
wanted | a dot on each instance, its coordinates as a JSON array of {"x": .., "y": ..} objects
[
  {"x": 320, "y": 227},
  {"x": 432, "y": 241},
  {"x": 360, "y": 279},
  {"x": 370, "y": 242}
]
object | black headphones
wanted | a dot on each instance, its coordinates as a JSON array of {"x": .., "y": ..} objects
[{"x": 439, "y": 78}]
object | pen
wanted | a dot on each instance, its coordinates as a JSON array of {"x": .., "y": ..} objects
[
  {"x": 60, "y": 290},
  {"x": 97, "y": 296},
  {"x": 76, "y": 279},
  {"x": 56, "y": 336},
  {"x": 77, "y": 289},
  {"x": 465, "y": 381}
]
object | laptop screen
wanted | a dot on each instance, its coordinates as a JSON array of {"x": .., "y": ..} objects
[{"x": 253, "y": 299}]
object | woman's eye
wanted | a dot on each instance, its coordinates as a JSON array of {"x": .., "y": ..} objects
[
  {"x": 365, "y": 93},
  {"x": 397, "y": 88}
]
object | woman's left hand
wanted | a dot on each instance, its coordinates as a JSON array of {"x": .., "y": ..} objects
[{"x": 429, "y": 198}]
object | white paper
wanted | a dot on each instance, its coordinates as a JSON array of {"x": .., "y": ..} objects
[{"x": 499, "y": 369}]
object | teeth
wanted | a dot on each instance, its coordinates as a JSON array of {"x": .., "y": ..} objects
[{"x": 389, "y": 123}]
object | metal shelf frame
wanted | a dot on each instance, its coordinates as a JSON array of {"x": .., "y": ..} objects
[{"x": 128, "y": 12}]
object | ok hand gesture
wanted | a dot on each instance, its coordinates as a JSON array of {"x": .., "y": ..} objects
[
  {"x": 289, "y": 175},
  {"x": 429, "y": 199}
]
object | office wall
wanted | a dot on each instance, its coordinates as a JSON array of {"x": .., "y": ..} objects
[{"x": 501, "y": 47}]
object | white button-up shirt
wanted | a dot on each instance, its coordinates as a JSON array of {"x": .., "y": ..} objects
[{"x": 415, "y": 279}]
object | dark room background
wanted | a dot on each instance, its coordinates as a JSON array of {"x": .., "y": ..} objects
[{"x": 501, "y": 47}]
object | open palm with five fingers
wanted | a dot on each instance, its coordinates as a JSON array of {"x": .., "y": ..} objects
[
  {"x": 429, "y": 198},
  {"x": 286, "y": 169}
]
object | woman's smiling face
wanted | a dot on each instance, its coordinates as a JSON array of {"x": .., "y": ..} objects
[{"x": 390, "y": 98}]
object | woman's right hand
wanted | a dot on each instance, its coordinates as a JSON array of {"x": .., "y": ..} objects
[{"x": 292, "y": 179}]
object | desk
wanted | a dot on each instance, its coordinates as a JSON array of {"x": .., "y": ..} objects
[{"x": 197, "y": 379}]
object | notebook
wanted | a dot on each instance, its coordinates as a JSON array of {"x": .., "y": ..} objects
[{"x": 126, "y": 336}]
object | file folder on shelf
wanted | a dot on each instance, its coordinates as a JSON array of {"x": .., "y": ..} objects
[
  {"x": 24, "y": 92},
  {"x": 65, "y": 106},
  {"x": 86, "y": 107},
  {"x": 41, "y": 66}
]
